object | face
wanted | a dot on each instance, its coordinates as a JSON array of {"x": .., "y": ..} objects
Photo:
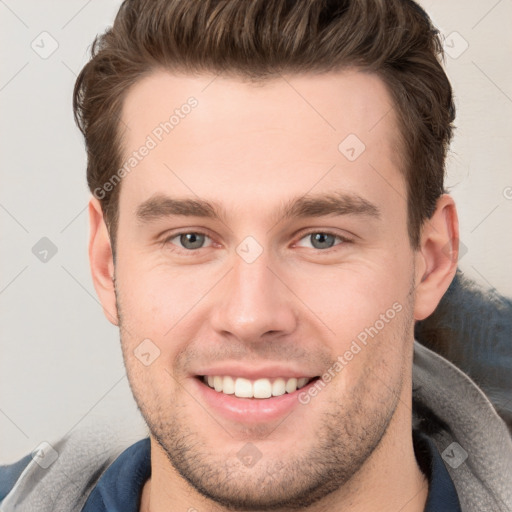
[{"x": 262, "y": 245}]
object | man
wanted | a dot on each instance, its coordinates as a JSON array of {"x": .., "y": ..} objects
[{"x": 268, "y": 222}]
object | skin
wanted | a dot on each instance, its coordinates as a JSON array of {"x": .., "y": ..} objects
[{"x": 251, "y": 148}]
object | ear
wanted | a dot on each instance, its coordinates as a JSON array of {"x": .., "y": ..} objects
[
  {"x": 101, "y": 261},
  {"x": 437, "y": 257}
]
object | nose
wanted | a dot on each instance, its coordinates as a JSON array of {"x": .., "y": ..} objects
[{"x": 255, "y": 303}]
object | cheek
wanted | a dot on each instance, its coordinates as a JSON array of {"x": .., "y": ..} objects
[
  {"x": 350, "y": 298},
  {"x": 160, "y": 314},
  {"x": 153, "y": 301}
]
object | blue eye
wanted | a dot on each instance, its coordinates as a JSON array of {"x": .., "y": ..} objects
[
  {"x": 189, "y": 241},
  {"x": 322, "y": 240}
]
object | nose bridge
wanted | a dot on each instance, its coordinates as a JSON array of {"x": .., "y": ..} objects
[{"x": 255, "y": 301}]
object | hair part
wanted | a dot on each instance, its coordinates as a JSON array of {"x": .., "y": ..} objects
[{"x": 257, "y": 40}]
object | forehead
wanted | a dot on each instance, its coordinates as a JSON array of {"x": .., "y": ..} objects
[{"x": 210, "y": 133}]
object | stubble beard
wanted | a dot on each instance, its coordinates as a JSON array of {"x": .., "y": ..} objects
[{"x": 347, "y": 433}]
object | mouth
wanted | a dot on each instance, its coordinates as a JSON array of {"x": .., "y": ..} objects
[
  {"x": 260, "y": 389},
  {"x": 259, "y": 397}
]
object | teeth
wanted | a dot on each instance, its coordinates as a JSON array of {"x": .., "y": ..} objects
[
  {"x": 291, "y": 385},
  {"x": 243, "y": 388},
  {"x": 302, "y": 382},
  {"x": 278, "y": 387},
  {"x": 260, "y": 388},
  {"x": 228, "y": 386},
  {"x": 217, "y": 383}
]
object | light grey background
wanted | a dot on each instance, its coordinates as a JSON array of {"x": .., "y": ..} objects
[{"x": 60, "y": 360}]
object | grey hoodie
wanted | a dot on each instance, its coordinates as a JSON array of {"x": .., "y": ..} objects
[{"x": 447, "y": 405}]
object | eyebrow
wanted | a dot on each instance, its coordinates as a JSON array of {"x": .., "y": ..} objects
[{"x": 328, "y": 204}]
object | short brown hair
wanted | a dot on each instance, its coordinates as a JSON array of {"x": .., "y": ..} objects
[{"x": 258, "y": 40}]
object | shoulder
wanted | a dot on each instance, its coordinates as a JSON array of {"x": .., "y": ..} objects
[
  {"x": 454, "y": 412},
  {"x": 63, "y": 474},
  {"x": 10, "y": 473},
  {"x": 471, "y": 328}
]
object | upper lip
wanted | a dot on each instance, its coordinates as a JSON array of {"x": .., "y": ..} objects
[{"x": 255, "y": 372}]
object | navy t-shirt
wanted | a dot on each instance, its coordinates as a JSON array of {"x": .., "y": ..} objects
[{"x": 119, "y": 489}]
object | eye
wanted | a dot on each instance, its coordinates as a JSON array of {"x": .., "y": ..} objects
[
  {"x": 193, "y": 240},
  {"x": 323, "y": 239},
  {"x": 188, "y": 240}
]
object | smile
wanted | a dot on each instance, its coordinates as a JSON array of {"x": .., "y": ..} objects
[
  {"x": 259, "y": 388},
  {"x": 251, "y": 401}
]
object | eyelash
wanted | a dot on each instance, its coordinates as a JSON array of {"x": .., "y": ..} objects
[{"x": 343, "y": 240}]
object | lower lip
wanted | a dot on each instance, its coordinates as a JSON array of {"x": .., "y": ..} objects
[{"x": 250, "y": 410}]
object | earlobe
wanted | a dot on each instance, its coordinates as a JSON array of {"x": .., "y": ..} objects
[
  {"x": 437, "y": 257},
  {"x": 101, "y": 261}
]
